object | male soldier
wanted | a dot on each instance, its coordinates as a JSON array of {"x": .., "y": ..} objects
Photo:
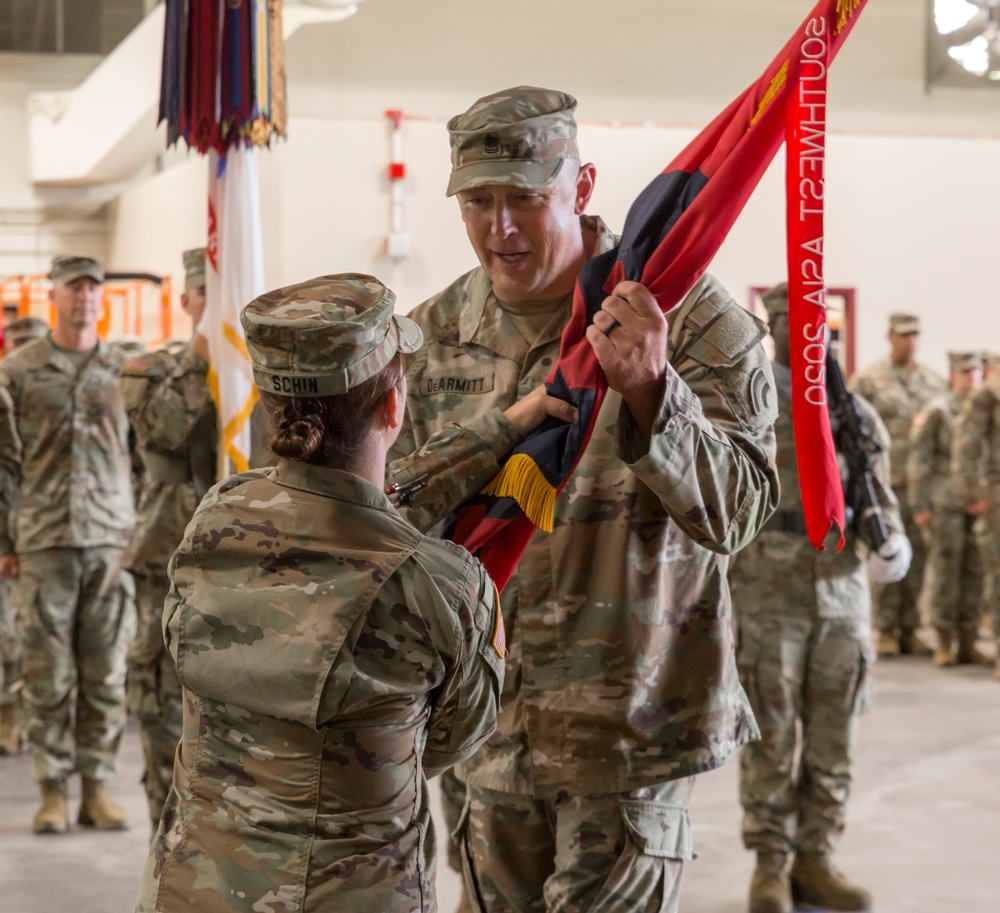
[
  {"x": 64, "y": 457},
  {"x": 976, "y": 465},
  {"x": 804, "y": 654},
  {"x": 173, "y": 418},
  {"x": 621, "y": 677},
  {"x": 16, "y": 334},
  {"x": 898, "y": 388},
  {"x": 953, "y": 583}
]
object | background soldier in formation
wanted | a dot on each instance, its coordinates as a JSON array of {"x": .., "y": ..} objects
[
  {"x": 332, "y": 657},
  {"x": 580, "y": 799},
  {"x": 16, "y": 334},
  {"x": 174, "y": 424},
  {"x": 804, "y": 655},
  {"x": 953, "y": 580},
  {"x": 64, "y": 460},
  {"x": 898, "y": 387},
  {"x": 976, "y": 461}
]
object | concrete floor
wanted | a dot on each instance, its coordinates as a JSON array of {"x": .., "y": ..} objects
[{"x": 923, "y": 825}]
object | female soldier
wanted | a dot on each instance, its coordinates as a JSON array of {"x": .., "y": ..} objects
[{"x": 331, "y": 656}]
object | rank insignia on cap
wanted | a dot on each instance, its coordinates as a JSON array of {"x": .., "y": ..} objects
[
  {"x": 499, "y": 643},
  {"x": 760, "y": 390},
  {"x": 491, "y": 144}
]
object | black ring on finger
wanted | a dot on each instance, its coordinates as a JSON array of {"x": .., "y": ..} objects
[{"x": 612, "y": 326}]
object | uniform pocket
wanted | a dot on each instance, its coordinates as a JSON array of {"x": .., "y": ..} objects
[
  {"x": 864, "y": 681},
  {"x": 657, "y": 829}
]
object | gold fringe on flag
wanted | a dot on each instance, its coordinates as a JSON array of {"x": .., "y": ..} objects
[
  {"x": 845, "y": 10},
  {"x": 522, "y": 480},
  {"x": 780, "y": 78}
]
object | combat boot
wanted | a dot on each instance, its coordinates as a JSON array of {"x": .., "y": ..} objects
[
  {"x": 967, "y": 654},
  {"x": 888, "y": 644},
  {"x": 816, "y": 883},
  {"x": 10, "y": 730},
  {"x": 911, "y": 645},
  {"x": 770, "y": 891},
  {"x": 942, "y": 653},
  {"x": 51, "y": 817},
  {"x": 98, "y": 811}
]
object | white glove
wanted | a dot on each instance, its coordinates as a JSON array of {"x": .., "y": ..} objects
[{"x": 891, "y": 562}]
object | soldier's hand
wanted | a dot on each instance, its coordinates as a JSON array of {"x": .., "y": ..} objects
[
  {"x": 8, "y": 567},
  {"x": 530, "y": 411},
  {"x": 978, "y": 508},
  {"x": 629, "y": 337},
  {"x": 923, "y": 519}
]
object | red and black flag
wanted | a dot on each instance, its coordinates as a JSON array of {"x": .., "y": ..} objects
[{"x": 670, "y": 235}]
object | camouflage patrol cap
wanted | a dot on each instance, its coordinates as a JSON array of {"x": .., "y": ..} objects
[
  {"x": 991, "y": 361},
  {"x": 67, "y": 269},
  {"x": 324, "y": 336},
  {"x": 904, "y": 324},
  {"x": 23, "y": 330},
  {"x": 964, "y": 361},
  {"x": 519, "y": 137},
  {"x": 775, "y": 300},
  {"x": 194, "y": 266}
]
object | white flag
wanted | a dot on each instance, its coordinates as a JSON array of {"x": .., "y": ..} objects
[{"x": 234, "y": 276}]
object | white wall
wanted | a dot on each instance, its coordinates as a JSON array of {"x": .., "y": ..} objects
[{"x": 911, "y": 221}]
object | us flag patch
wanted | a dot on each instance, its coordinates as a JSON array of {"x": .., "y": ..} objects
[{"x": 499, "y": 633}]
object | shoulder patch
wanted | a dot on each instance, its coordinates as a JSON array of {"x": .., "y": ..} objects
[
  {"x": 149, "y": 364},
  {"x": 761, "y": 392}
]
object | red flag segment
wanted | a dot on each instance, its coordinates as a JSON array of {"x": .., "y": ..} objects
[{"x": 819, "y": 474}]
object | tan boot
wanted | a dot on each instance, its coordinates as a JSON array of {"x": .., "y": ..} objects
[
  {"x": 98, "y": 811},
  {"x": 967, "y": 654},
  {"x": 911, "y": 645},
  {"x": 51, "y": 817},
  {"x": 817, "y": 883},
  {"x": 10, "y": 730},
  {"x": 942, "y": 653},
  {"x": 888, "y": 644},
  {"x": 769, "y": 889}
]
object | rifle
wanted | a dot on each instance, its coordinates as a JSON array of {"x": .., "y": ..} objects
[{"x": 851, "y": 432}]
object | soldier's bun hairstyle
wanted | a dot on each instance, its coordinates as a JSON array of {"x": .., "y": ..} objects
[{"x": 330, "y": 430}]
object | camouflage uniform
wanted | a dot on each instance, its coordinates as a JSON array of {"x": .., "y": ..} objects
[
  {"x": 17, "y": 333},
  {"x": 10, "y": 666},
  {"x": 976, "y": 463},
  {"x": 623, "y": 610},
  {"x": 953, "y": 581},
  {"x": 173, "y": 420},
  {"x": 897, "y": 396},
  {"x": 805, "y": 655},
  {"x": 64, "y": 452},
  {"x": 332, "y": 658}
]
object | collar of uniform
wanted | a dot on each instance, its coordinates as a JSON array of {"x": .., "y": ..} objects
[
  {"x": 330, "y": 483},
  {"x": 103, "y": 354},
  {"x": 476, "y": 326}
]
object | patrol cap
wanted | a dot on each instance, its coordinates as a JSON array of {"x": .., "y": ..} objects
[
  {"x": 775, "y": 300},
  {"x": 194, "y": 266},
  {"x": 71, "y": 267},
  {"x": 325, "y": 336},
  {"x": 904, "y": 324},
  {"x": 964, "y": 361},
  {"x": 519, "y": 137},
  {"x": 991, "y": 361},
  {"x": 24, "y": 330}
]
